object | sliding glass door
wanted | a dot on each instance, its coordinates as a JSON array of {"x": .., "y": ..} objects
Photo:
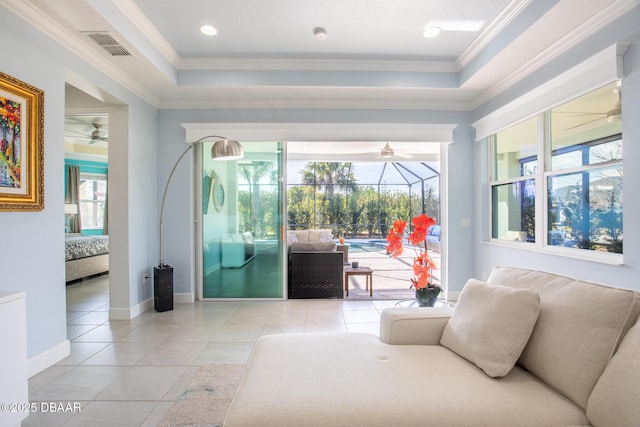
[{"x": 242, "y": 223}]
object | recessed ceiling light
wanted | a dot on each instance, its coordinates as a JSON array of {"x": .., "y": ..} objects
[
  {"x": 430, "y": 32},
  {"x": 320, "y": 33},
  {"x": 208, "y": 30}
]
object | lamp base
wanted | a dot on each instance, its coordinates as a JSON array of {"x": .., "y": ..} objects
[{"x": 163, "y": 287}]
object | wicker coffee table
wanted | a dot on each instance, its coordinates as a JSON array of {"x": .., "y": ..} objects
[{"x": 360, "y": 271}]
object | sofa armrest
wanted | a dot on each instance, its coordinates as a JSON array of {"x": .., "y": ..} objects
[{"x": 414, "y": 325}]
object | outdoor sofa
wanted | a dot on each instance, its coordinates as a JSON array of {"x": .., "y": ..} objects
[
  {"x": 315, "y": 270},
  {"x": 528, "y": 348}
]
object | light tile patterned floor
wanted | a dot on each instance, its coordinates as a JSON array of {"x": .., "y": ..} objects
[{"x": 129, "y": 373}]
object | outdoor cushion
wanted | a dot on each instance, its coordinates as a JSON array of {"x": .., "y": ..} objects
[
  {"x": 579, "y": 328},
  {"x": 619, "y": 387},
  {"x": 314, "y": 235},
  {"x": 325, "y": 237},
  {"x": 491, "y": 325},
  {"x": 301, "y": 235},
  {"x": 312, "y": 247}
]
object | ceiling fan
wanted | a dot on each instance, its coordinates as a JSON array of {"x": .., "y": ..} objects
[
  {"x": 611, "y": 115},
  {"x": 96, "y": 134},
  {"x": 387, "y": 152}
]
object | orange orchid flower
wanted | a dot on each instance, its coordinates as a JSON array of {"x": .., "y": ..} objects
[
  {"x": 394, "y": 248},
  {"x": 422, "y": 263}
]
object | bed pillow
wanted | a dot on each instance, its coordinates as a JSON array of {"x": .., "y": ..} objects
[{"x": 491, "y": 325}]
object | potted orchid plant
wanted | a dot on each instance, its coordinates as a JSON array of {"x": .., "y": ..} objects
[{"x": 426, "y": 291}]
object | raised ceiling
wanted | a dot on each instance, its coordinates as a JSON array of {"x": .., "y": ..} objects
[{"x": 265, "y": 54}]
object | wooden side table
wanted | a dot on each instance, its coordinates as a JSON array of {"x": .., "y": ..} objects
[{"x": 360, "y": 271}]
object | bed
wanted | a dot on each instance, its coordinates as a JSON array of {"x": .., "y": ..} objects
[{"x": 86, "y": 256}]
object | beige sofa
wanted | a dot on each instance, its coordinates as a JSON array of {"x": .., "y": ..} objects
[
  {"x": 309, "y": 236},
  {"x": 525, "y": 349}
]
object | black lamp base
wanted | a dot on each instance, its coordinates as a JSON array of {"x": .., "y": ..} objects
[{"x": 163, "y": 287}]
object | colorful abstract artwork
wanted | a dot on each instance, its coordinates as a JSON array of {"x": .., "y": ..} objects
[
  {"x": 10, "y": 148},
  {"x": 21, "y": 146}
]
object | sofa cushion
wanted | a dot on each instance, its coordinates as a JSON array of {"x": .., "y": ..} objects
[
  {"x": 615, "y": 400},
  {"x": 301, "y": 235},
  {"x": 579, "y": 328},
  {"x": 315, "y": 235},
  {"x": 236, "y": 238},
  {"x": 292, "y": 237},
  {"x": 353, "y": 379},
  {"x": 312, "y": 247},
  {"x": 325, "y": 237},
  {"x": 491, "y": 325}
]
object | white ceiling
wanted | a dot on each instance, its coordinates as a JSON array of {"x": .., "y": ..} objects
[{"x": 265, "y": 54}]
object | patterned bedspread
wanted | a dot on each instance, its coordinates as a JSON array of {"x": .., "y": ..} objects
[{"x": 85, "y": 246}]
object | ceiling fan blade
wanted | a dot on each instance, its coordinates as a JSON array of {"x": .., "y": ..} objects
[
  {"x": 83, "y": 135},
  {"x": 586, "y": 114},
  {"x": 584, "y": 124}
]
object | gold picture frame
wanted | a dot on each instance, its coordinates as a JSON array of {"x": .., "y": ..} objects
[{"x": 21, "y": 146}]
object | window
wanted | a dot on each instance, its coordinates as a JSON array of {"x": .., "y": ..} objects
[
  {"x": 93, "y": 195},
  {"x": 513, "y": 188},
  {"x": 572, "y": 155}
]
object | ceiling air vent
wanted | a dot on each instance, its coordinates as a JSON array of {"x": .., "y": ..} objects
[{"x": 106, "y": 41}]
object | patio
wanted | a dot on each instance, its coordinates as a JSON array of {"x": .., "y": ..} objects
[{"x": 390, "y": 275}]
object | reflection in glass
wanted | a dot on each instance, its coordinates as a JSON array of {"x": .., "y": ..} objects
[
  {"x": 581, "y": 129},
  {"x": 585, "y": 210},
  {"x": 242, "y": 223},
  {"x": 515, "y": 150},
  {"x": 513, "y": 207}
]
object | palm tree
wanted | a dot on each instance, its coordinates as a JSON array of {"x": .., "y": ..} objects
[
  {"x": 330, "y": 176},
  {"x": 253, "y": 173}
]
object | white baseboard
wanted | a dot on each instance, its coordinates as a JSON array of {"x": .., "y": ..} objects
[
  {"x": 48, "y": 358},
  {"x": 184, "y": 298},
  {"x": 128, "y": 313}
]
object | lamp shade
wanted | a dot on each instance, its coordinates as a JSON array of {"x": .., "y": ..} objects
[
  {"x": 70, "y": 209},
  {"x": 227, "y": 149}
]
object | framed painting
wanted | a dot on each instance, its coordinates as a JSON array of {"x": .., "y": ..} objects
[{"x": 21, "y": 146}]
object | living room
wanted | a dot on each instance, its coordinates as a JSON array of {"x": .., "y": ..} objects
[{"x": 542, "y": 55}]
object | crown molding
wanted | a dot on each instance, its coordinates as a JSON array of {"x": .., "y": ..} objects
[
  {"x": 68, "y": 40},
  {"x": 509, "y": 13},
  {"x": 597, "y": 22},
  {"x": 293, "y": 64},
  {"x": 140, "y": 20},
  {"x": 600, "y": 69},
  {"x": 400, "y": 132},
  {"x": 310, "y": 103}
]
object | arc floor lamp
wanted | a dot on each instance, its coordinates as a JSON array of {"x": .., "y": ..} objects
[{"x": 223, "y": 149}]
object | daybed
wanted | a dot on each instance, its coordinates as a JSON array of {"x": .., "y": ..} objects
[
  {"x": 86, "y": 256},
  {"x": 237, "y": 249},
  {"x": 525, "y": 349}
]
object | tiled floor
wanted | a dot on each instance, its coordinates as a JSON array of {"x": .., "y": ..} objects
[{"x": 129, "y": 373}]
